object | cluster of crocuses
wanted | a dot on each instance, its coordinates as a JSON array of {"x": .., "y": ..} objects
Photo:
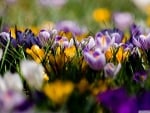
[{"x": 62, "y": 67}]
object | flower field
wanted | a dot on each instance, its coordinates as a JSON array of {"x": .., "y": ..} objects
[{"x": 74, "y": 56}]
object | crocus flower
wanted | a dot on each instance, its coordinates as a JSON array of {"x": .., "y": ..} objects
[
  {"x": 122, "y": 54},
  {"x": 111, "y": 70},
  {"x": 44, "y": 36},
  {"x": 33, "y": 73},
  {"x": 9, "y": 100},
  {"x": 4, "y": 37},
  {"x": 91, "y": 43},
  {"x": 140, "y": 76},
  {"x": 61, "y": 41},
  {"x": 95, "y": 58},
  {"x": 36, "y": 53},
  {"x": 15, "y": 84},
  {"x": 58, "y": 91},
  {"x": 25, "y": 39},
  {"x": 144, "y": 41},
  {"x": 118, "y": 101},
  {"x": 143, "y": 100},
  {"x": 105, "y": 38},
  {"x": 123, "y": 20}
]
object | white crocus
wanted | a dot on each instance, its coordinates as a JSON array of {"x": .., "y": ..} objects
[
  {"x": 13, "y": 81},
  {"x": 33, "y": 73}
]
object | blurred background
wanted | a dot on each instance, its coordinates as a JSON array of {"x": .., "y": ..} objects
[{"x": 93, "y": 14}]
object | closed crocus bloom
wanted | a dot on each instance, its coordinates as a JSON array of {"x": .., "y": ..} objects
[
  {"x": 5, "y": 35},
  {"x": 95, "y": 58},
  {"x": 122, "y": 54},
  {"x": 33, "y": 73},
  {"x": 13, "y": 81},
  {"x": 44, "y": 36},
  {"x": 111, "y": 70},
  {"x": 36, "y": 53}
]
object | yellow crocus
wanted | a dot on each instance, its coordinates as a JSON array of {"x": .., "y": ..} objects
[
  {"x": 58, "y": 91},
  {"x": 121, "y": 54},
  {"x": 36, "y": 53},
  {"x": 70, "y": 52},
  {"x": 109, "y": 53},
  {"x": 101, "y": 15}
]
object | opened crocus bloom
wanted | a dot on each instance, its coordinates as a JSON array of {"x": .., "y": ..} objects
[
  {"x": 108, "y": 37},
  {"x": 95, "y": 58}
]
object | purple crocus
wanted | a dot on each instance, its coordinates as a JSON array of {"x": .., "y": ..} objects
[
  {"x": 145, "y": 41},
  {"x": 95, "y": 58},
  {"x": 105, "y": 38},
  {"x": 140, "y": 76},
  {"x": 123, "y": 20},
  {"x": 25, "y": 39},
  {"x": 118, "y": 101},
  {"x": 143, "y": 100},
  {"x": 43, "y": 37},
  {"x": 9, "y": 100}
]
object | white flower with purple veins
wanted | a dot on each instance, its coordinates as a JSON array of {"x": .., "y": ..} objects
[
  {"x": 70, "y": 26},
  {"x": 61, "y": 41},
  {"x": 9, "y": 100},
  {"x": 91, "y": 43},
  {"x": 104, "y": 41},
  {"x": 144, "y": 41},
  {"x": 53, "y": 3},
  {"x": 111, "y": 70},
  {"x": 33, "y": 73},
  {"x": 73, "y": 42},
  {"x": 44, "y": 37},
  {"x": 123, "y": 20},
  {"x": 11, "y": 82},
  {"x": 95, "y": 58},
  {"x": 5, "y": 36}
]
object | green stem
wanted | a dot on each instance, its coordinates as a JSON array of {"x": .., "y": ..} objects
[{"x": 4, "y": 55}]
